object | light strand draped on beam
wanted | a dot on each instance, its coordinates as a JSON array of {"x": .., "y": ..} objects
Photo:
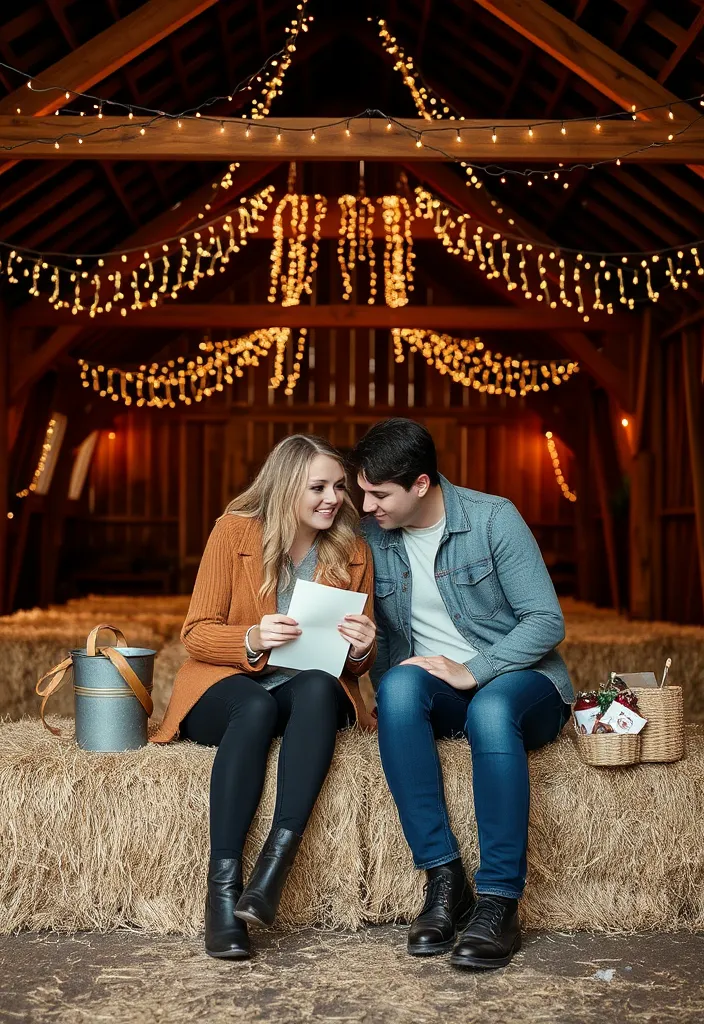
[
  {"x": 471, "y": 364},
  {"x": 559, "y": 476},
  {"x": 188, "y": 380},
  {"x": 169, "y": 266},
  {"x": 657, "y": 136},
  {"x": 191, "y": 380}
]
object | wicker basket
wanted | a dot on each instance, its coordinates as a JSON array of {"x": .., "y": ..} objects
[
  {"x": 609, "y": 750},
  {"x": 662, "y": 739}
]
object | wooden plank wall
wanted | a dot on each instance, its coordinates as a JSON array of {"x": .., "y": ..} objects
[{"x": 155, "y": 490}]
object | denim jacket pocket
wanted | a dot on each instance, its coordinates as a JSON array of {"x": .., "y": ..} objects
[
  {"x": 386, "y": 601},
  {"x": 478, "y": 589}
]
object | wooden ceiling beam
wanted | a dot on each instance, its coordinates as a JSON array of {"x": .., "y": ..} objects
[
  {"x": 587, "y": 57},
  {"x": 202, "y": 140},
  {"x": 178, "y": 315},
  {"x": 48, "y": 201}
]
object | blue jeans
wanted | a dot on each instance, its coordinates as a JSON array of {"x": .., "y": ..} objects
[{"x": 515, "y": 712}]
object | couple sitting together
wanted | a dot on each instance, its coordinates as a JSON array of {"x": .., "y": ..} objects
[{"x": 467, "y": 622}]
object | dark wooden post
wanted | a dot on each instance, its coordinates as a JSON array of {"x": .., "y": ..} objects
[
  {"x": 598, "y": 440},
  {"x": 4, "y": 453},
  {"x": 642, "y": 497},
  {"x": 691, "y": 345}
]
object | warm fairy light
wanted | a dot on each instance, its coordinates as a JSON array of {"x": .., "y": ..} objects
[
  {"x": 493, "y": 135},
  {"x": 273, "y": 78},
  {"x": 624, "y": 422},
  {"x": 111, "y": 435},
  {"x": 427, "y": 104},
  {"x": 193, "y": 379},
  {"x": 530, "y": 132},
  {"x": 301, "y": 265},
  {"x": 155, "y": 278},
  {"x": 47, "y": 445},
  {"x": 471, "y": 364},
  {"x": 399, "y": 256},
  {"x": 559, "y": 476},
  {"x": 356, "y": 242}
]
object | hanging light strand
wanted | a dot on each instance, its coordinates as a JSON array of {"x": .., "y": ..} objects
[{"x": 555, "y": 459}]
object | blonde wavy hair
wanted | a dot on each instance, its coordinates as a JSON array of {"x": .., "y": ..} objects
[{"x": 273, "y": 498}]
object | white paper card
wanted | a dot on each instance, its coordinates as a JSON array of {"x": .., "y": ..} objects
[
  {"x": 318, "y": 609},
  {"x": 620, "y": 718}
]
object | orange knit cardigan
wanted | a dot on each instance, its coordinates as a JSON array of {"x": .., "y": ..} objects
[{"x": 226, "y": 602}]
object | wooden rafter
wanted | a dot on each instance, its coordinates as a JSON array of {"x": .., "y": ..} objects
[
  {"x": 693, "y": 33},
  {"x": 104, "y": 54},
  {"x": 578, "y": 345},
  {"x": 200, "y": 140},
  {"x": 588, "y": 58},
  {"x": 447, "y": 318}
]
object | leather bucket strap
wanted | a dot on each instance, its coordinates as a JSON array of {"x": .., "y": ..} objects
[
  {"x": 130, "y": 677},
  {"x": 56, "y": 678},
  {"x": 53, "y": 680},
  {"x": 93, "y": 637}
]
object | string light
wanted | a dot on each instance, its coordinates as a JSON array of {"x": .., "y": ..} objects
[
  {"x": 356, "y": 242},
  {"x": 301, "y": 264},
  {"x": 273, "y": 78},
  {"x": 562, "y": 483},
  {"x": 47, "y": 445},
  {"x": 614, "y": 283},
  {"x": 182, "y": 264},
  {"x": 399, "y": 256},
  {"x": 428, "y": 105},
  {"x": 194, "y": 379},
  {"x": 471, "y": 364}
]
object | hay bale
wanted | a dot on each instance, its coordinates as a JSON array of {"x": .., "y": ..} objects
[
  {"x": 34, "y": 640},
  {"x": 609, "y": 850},
  {"x": 111, "y": 840}
]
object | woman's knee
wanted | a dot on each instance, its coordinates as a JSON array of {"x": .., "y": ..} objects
[
  {"x": 316, "y": 687},
  {"x": 256, "y": 707}
]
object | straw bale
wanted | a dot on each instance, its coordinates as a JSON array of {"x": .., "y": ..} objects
[
  {"x": 108, "y": 840},
  {"x": 112, "y": 840},
  {"x": 611, "y": 850},
  {"x": 34, "y": 640}
]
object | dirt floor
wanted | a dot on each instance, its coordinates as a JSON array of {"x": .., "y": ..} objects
[{"x": 363, "y": 977}]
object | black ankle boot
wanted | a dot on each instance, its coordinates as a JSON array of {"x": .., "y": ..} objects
[
  {"x": 448, "y": 904},
  {"x": 492, "y": 936},
  {"x": 260, "y": 899},
  {"x": 225, "y": 936}
]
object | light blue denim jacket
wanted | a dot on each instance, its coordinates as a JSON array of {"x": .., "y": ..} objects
[{"x": 493, "y": 581}]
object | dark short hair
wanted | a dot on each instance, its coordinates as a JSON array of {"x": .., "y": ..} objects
[{"x": 396, "y": 451}]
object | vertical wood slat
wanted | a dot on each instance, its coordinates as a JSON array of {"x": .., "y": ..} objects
[
  {"x": 691, "y": 344},
  {"x": 4, "y": 456}
]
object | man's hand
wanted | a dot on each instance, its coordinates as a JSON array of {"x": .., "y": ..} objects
[
  {"x": 274, "y": 631},
  {"x": 451, "y": 672}
]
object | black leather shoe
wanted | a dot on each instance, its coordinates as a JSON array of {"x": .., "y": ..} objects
[
  {"x": 260, "y": 899},
  {"x": 225, "y": 936},
  {"x": 492, "y": 936},
  {"x": 448, "y": 904}
]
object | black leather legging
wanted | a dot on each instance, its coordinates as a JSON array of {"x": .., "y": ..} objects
[{"x": 240, "y": 718}]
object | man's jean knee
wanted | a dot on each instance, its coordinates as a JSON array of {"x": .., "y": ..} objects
[{"x": 516, "y": 712}]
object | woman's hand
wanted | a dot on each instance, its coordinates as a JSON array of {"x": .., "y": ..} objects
[
  {"x": 359, "y": 631},
  {"x": 273, "y": 631}
]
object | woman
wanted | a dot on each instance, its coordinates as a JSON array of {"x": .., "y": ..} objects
[{"x": 296, "y": 521}]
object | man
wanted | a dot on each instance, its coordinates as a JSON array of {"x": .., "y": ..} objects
[{"x": 468, "y": 622}]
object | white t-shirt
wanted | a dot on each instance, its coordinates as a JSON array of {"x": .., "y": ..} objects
[{"x": 433, "y": 630}]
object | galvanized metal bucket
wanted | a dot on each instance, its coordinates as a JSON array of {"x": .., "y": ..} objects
[{"x": 112, "y": 693}]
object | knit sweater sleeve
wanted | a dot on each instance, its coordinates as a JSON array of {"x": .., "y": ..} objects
[
  {"x": 366, "y": 586},
  {"x": 206, "y": 634}
]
